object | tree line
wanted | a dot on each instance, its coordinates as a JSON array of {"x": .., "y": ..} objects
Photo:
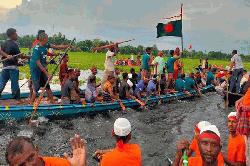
[{"x": 87, "y": 45}]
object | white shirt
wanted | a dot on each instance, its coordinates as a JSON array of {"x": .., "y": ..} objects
[
  {"x": 109, "y": 62},
  {"x": 237, "y": 62}
]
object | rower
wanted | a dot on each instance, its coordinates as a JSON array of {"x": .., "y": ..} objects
[
  {"x": 163, "y": 84},
  {"x": 38, "y": 66},
  {"x": 128, "y": 154},
  {"x": 22, "y": 151},
  {"x": 139, "y": 89},
  {"x": 91, "y": 92},
  {"x": 210, "y": 77},
  {"x": 190, "y": 84},
  {"x": 124, "y": 88},
  {"x": 209, "y": 143},
  {"x": 180, "y": 83},
  {"x": 151, "y": 88},
  {"x": 10, "y": 67},
  {"x": 108, "y": 93},
  {"x": 69, "y": 94},
  {"x": 236, "y": 144}
]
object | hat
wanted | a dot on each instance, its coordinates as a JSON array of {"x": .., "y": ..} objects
[
  {"x": 212, "y": 128},
  {"x": 122, "y": 127},
  {"x": 130, "y": 75},
  {"x": 232, "y": 115},
  {"x": 200, "y": 125}
]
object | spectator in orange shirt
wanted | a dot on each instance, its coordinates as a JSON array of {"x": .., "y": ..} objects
[
  {"x": 22, "y": 151},
  {"x": 124, "y": 154},
  {"x": 236, "y": 144},
  {"x": 209, "y": 143}
]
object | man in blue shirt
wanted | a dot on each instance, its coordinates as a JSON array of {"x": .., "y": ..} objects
[
  {"x": 10, "y": 67},
  {"x": 210, "y": 77},
  {"x": 180, "y": 83},
  {"x": 38, "y": 66},
  {"x": 151, "y": 88},
  {"x": 190, "y": 84},
  {"x": 146, "y": 62}
]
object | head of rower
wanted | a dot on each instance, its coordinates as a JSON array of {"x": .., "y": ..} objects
[
  {"x": 232, "y": 123},
  {"x": 12, "y": 34},
  {"x": 177, "y": 51},
  {"x": 72, "y": 74},
  {"x": 21, "y": 151},
  {"x": 209, "y": 143},
  {"x": 111, "y": 79}
]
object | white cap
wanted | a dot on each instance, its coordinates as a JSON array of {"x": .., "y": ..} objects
[
  {"x": 202, "y": 124},
  {"x": 212, "y": 128},
  {"x": 232, "y": 114},
  {"x": 130, "y": 75},
  {"x": 122, "y": 127}
]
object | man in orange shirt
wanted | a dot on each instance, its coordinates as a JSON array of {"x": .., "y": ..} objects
[
  {"x": 209, "y": 145},
  {"x": 124, "y": 154},
  {"x": 236, "y": 144},
  {"x": 22, "y": 151}
]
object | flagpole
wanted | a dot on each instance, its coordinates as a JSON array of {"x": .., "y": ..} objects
[
  {"x": 181, "y": 30},
  {"x": 182, "y": 37}
]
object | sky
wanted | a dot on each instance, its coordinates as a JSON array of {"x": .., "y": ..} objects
[{"x": 219, "y": 25}]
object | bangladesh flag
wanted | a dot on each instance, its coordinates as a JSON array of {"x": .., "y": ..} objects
[{"x": 172, "y": 28}]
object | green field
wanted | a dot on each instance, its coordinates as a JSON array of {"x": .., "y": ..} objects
[{"x": 85, "y": 60}]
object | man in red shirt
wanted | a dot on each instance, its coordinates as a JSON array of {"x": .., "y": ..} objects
[
  {"x": 22, "y": 151},
  {"x": 236, "y": 144},
  {"x": 124, "y": 154},
  {"x": 209, "y": 143}
]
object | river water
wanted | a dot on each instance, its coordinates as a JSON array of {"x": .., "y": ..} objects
[{"x": 156, "y": 130}]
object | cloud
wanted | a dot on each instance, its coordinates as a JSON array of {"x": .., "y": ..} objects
[{"x": 207, "y": 25}]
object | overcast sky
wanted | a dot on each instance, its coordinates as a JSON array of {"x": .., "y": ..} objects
[{"x": 207, "y": 25}]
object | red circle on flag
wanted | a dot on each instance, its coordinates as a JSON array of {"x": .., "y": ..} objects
[{"x": 169, "y": 27}]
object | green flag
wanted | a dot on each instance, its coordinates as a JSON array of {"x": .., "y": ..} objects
[{"x": 172, "y": 28}]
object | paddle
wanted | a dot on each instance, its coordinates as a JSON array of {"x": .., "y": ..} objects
[
  {"x": 121, "y": 104},
  {"x": 11, "y": 57},
  {"x": 37, "y": 103}
]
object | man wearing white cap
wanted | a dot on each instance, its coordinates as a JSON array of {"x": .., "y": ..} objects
[
  {"x": 236, "y": 144},
  {"x": 209, "y": 145},
  {"x": 124, "y": 154},
  {"x": 193, "y": 148}
]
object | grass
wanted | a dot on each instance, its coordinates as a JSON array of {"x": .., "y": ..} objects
[{"x": 85, "y": 60}]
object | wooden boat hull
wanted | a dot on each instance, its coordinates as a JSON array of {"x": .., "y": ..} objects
[{"x": 50, "y": 111}]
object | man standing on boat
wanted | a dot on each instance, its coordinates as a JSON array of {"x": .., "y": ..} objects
[
  {"x": 146, "y": 62},
  {"x": 237, "y": 66},
  {"x": 109, "y": 63},
  {"x": 38, "y": 66},
  {"x": 10, "y": 67}
]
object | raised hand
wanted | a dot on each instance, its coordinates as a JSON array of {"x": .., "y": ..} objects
[{"x": 78, "y": 147}]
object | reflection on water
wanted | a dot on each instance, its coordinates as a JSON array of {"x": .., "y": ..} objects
[{"x": 155, "y": 130}]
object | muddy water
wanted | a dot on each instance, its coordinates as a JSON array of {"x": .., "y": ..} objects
[{"x": 155, "y": 130}]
